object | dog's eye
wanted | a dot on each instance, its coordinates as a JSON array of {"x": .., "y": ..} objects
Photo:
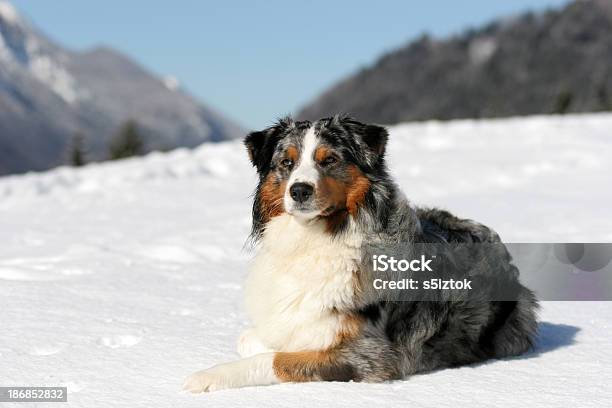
[
  {"x": 287, "y": 163},
  {"x": 329, "y": 161}
]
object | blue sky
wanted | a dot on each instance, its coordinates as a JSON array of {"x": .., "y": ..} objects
[{"x": 257, "y": 60}]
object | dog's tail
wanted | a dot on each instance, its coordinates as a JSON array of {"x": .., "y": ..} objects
[{"x": 514, "y": 329}]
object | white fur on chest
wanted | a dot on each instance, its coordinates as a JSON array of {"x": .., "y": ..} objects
[{"x": 300, "y": 279}]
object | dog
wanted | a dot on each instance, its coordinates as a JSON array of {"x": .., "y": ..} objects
[{"x": 324, "y": 196}]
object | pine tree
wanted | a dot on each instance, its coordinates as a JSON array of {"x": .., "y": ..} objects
[
  {"x": 563, "y": 102},
  {"x": 603, "y": 98},
  {"x": 77, "y": 150},
  {"x": 127, "y": 142}
]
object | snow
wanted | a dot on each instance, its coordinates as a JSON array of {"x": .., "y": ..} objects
[
  {"x": 119, "y": 279},
  {"x": 49, "y": 72},
  {"x": 44, "y": 63},
  {"x": 8, "y": 12},
  {"x": 482, "y": 49},
  {"x": 171, "y": 82}
]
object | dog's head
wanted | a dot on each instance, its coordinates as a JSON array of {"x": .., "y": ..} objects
[{"x": 315, "y": 170}]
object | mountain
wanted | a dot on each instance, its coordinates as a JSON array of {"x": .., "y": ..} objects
[
  {"x": 48, "y": 93},
  {"x": 553, "y": 62}
]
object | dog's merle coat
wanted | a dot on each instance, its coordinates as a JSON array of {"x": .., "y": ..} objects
[{"x": 375, "y": 339}]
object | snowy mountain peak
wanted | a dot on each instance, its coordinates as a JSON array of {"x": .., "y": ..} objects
[
  {"x": 8, "y": 13},
  {"x": 171, "y": 82},
  {"x": 48, "y": 93},
  {"x": 21, "y": 47}
]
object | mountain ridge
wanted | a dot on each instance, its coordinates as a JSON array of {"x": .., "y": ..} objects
[
  {"x": 48, "y": 93},
  {"x": 555, "y": 61}
]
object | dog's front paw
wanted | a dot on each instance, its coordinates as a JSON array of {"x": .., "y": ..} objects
[{"x": 209, "y": 380}]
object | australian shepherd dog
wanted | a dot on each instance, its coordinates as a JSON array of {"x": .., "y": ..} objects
[{"x": 324, "y": 195}]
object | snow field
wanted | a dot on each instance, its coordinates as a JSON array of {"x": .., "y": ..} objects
[{"x": 119, "y": 279}]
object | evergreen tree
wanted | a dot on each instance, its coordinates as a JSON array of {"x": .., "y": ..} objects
[
  {"x": 77, "y": 150},
  {"x": 563, "y": 102},
  {"x": 603, "y": 98},
  {"x": 127, "y": 142}
]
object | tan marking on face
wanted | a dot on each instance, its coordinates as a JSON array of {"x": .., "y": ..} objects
[
  {"x": 332, "y": 195},
  {"x": 339, "y": 198},
  {"x": 292, "y": 153},
  {"x": 322, "y": 153},
  {"x": 271, "y": 196},
  {"x": 357, "y": 190}
]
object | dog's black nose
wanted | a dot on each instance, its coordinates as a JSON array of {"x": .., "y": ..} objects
[{"x": 301, "y": 192}]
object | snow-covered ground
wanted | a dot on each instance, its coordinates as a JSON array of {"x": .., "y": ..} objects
[{"x": 119, "y": 279}]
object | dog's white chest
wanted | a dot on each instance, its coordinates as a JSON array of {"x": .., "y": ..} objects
[{"x": 299, "y": 280}]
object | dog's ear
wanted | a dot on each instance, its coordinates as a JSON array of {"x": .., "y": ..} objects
[
  {"x": 261, "y": 144},
  {"x": 375, "y": 137},
  {"x": 255, "y": 142}
]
